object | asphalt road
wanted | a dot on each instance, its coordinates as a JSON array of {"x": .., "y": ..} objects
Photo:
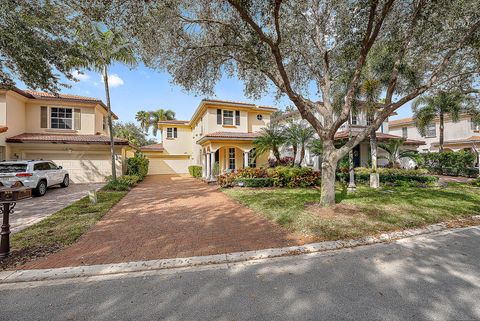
[{"x": 435, "y": 277}]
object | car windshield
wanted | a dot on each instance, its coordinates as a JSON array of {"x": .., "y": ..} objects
[{"x": 12, "y": 168}]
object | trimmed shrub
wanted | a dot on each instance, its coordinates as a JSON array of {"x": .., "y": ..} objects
[
  {"x": 195, "y": 171},
  {"x": 138, "y": 165},
  {"x": 250, "y": 172},
  {"x": 294, "y": 176},
  {"x": 123, "y": 183},
  {"x": 392, "y": 176},
  {"x": 254, "y": 182},
  {"x": 226, "y": 180},
  {"x": 450, "y": 163}
]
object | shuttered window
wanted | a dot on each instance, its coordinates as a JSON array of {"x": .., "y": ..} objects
[
  {"x": 44, "y": 117},
  {"x": 77, "y": 121},
  {"x": 219, "y": 116},
  {"x": 237, "y": 117}
]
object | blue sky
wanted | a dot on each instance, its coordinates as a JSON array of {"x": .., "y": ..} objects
[{"x": 145, "y": 89}]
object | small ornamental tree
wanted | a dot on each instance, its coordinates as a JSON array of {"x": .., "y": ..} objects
[{"x": 313, "y": 52}]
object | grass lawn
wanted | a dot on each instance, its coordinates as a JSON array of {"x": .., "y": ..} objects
[
  {"x": 366, "y": 212},
  {"x": 60, "y": 229}
]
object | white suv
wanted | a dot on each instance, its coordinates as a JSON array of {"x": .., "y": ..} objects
[{"x": 36, "y": 174}]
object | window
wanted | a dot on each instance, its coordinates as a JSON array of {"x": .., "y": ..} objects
[
  {"x": 172, "y": 132},
  {"x": 52, "y": 166},
  {"x": 219, "y": 116},
  {"x": 228, "y": 117},
  {"x": 475, "y": 125},
  {"x": 369, "y": 120},
  {"x": 404, "y": 132},
  {"x": 41, "y": 167},
  {"x": 354, "y": 118},
  {"x": 252, "y": 158},
  {"x": 61, "y": 118},
  {"x": 231, "y": 158},
  {"x": 259, "y": 117},
  {"x": 431, "y": 131}
]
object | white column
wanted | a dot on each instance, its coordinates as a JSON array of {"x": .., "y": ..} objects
[
  {"x": 246, "y": 156},
  {"x": 209, "y": 166},
  {"x": 212, "y": 162},
  {"x": 204, "y": 165}
]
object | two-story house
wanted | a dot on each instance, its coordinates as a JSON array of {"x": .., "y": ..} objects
[
  {"x": 70, "y": 130},
  {"x": 219, "y": 134},
  {"x": 361, "y": 152}
]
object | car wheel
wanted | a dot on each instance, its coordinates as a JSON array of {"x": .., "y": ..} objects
[
  {"x": 41, "y": 188},
  {"x": 66, "y": 181}
]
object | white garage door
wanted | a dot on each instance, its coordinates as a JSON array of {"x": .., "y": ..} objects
[
  {"x": 167, "y": 166},
  {"x": 83, "y": 167}
]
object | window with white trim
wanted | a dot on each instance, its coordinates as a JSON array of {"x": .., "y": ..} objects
[
  {"x": 431, "y": 130},
  {"x": 231, "y": 158},
  {"x": 228, "y": 117},
  {"x": 172, "y": 132},
  {"x": 61, "y": 118},
  {"x": 354, "y": 118},
  {"x": 475, "y": 125},
  {"x": 370, "y": 119}
]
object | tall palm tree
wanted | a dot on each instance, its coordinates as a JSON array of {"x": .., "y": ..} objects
[
  {"x": 394, "y": 151},
  {"x": 143, "y": 117},
  {"x": 104, "y": 48},
  {"x": 159, "y": 115},
  {"x": 271, "y": 138},
  {"x": 427, "y": 108}
]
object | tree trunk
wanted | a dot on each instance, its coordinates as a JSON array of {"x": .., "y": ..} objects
[
  {"x": 295, "y": 149},
  {"x": 374, "y": 177},
  {"x": 302, "y": 155},
  {"x": 110, "y": 125},
  {"x": 442, "y": 129},
  {"x": 329, "y": 167}
]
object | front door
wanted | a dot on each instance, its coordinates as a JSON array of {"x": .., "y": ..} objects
[{"x": 231, "y": 158}]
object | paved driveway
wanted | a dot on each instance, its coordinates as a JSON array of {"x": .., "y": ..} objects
[
  {"x": 36, "y": 209},
  {"x": 170, "y": 216}
]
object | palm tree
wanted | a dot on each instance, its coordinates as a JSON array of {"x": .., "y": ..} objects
[
  {"x": 103, "y": 48},
  {"x": 159, "y": 115},
  {"x": 271, "y": 138},
  {"x": 427, "y": 108},
  {"x": 143, "y": 117},
  {"x": 299, "y": 135},
  {"x": 394, "y": 152}
]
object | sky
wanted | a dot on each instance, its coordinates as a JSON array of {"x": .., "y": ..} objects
[{"x": 142, "y": 88}]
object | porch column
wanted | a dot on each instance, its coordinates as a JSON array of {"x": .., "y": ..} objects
[
  {"x": 209, "y": 166},
  {"x": 204, "y": 165},
  {"x": 212, "y": 163},
  {"x": 246, "y": 156}
]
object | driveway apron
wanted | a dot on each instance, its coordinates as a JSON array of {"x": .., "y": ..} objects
[{"x": 170, "y": 216}]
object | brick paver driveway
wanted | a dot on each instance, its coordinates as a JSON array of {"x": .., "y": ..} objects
[{"x": 170, "y": 216}]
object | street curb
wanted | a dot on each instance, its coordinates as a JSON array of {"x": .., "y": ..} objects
[{"x": 152, "y": 265}]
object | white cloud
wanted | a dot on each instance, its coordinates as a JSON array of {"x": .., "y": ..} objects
[
  {"x": 114, "y": 81},
  {"x": 80, "y": 76}
]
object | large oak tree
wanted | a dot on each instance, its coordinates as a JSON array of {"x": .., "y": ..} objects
[{"x": 312, "y": 51}]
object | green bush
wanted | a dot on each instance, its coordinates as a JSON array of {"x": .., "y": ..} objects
[
  {"x": 123, "y": 183},
  {"x": 195, "y": 171},
  {"x": 226, "y": 180},
  {"x": 254, "y": 182},
  {"x": 450, "y": 163},
  {"x": 392, "y": 176},
  {"x": 138, "y": 165},
  {"x": 285, "y": 176},
  {"x": 476, "y": 182}
]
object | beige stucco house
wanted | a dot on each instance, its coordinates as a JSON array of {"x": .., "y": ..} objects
[
  {"x": 68, "y": 129},
  {"x": 219, "y": 132}
]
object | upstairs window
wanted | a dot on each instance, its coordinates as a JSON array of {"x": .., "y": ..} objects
[
  {"x": 475, "y": 125},
  {"x": 228, "y": 117},
  {"x": 354, "y": 118},
  {"x": 404, "y": 132},
  {"x": 61, "y": 118},
  {"x": 369, "y": 120},
  {"x": 172, "y": 132},
  {"x": 431, "y": 131}
]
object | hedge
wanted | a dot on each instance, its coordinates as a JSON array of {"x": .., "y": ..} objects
[
  {"x": 391, "y": 176},
  {"x": 450, "y": 163},
  {"x": 138, "y": 165},
  {"x": 195, "y": 171},
  {"x": 254, "y": 182}
]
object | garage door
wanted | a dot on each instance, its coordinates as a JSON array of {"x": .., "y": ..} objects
[
  {"x": 167, "y": 166},
  {"x": 83, "y": 167}
]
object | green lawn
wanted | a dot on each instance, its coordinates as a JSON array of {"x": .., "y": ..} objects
[
  {"x": 60, "y": 229},
  {"x": 366, "y": 212}
]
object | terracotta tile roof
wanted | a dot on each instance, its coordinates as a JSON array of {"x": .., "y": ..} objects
[
  {"x": 229, "y": 135},
  {"x": 152, "y": 147},
  {"x": 403, "y": 121},
  {"x": 3, "y": 129},
  {"x": 380, "y": 137},
  {"x": 238, "y": 103},
  {"x": 471, "y": 139},
  {"x": 64, "y": 139}
]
